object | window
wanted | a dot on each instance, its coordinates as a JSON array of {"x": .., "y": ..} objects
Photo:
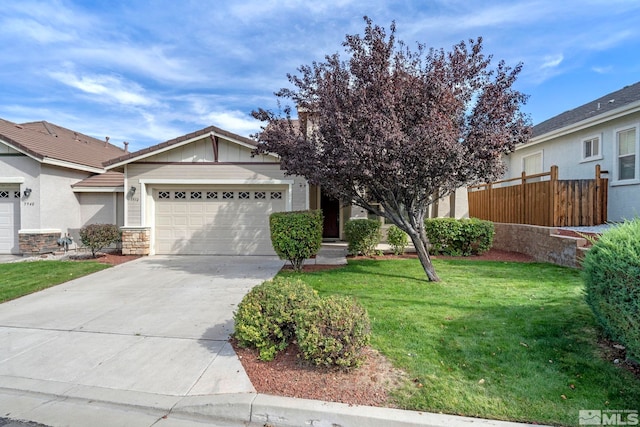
[
  {"x": 227, "y": 194},
  {"x": 532, "y": 164},
  {"x": 212, "y": 194},
  {"x": 196, "y": 194},
  {"x": 180, "y": 195},
  {"x": 163, "y": 195},
  {"x": 626, "y": 147},
  {"x": 4, "y": 194},
  {"x": 276, "y": 195},
  {"x": 259, "y": 195},
  {"x": 591, "y": 148},
  {"x": 244, "y": 195}
]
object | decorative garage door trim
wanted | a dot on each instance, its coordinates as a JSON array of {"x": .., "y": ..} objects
[{"x": 163, "y": 181}]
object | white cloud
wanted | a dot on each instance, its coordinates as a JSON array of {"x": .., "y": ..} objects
[
  {"x": 108, "y": 88},
  {"x": 150, "y": 61},
  {"x": 552, "y": 61},
  {"x": 233, "y": 121},
  {"x": 32, "y": 29},
  {"x": 603, "y": 70}
]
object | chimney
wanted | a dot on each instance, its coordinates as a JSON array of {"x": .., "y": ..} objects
[
  {"x": 126, "y": 146},
  {"x": 106, "y": 141},
  {"x": 75, "y": 136}
]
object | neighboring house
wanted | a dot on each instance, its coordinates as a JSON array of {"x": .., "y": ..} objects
[
  {"x": 49, "y": 187},
  {"x": 604, "y": 131}
]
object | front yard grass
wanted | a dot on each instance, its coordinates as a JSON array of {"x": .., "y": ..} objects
[
  {"x": 22, "y": 278},
  {"x": 499, "y": 340}
]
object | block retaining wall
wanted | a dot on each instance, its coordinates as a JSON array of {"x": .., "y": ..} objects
[{"x": 542, "y": 243}]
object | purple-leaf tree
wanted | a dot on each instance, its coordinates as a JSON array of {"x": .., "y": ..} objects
[{"x": 393, "y": 129}]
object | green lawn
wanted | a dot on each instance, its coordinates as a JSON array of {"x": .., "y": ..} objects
[
  {"x": 22, "y": 278},
  {"x": 508, "y": 341}
]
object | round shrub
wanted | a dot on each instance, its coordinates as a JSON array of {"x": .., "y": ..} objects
[
  {"x": 296, "y": 236},
  {"x": 612, "y": 283},
  {"x": 363, "y": 235},
  {"x": 98, "y": 236},
  {"x": 398, "y": 239},
  {"x": 265, "y": 318},
  {"x": 459, "y": 237},
  {"x": 334, "y": 332}
]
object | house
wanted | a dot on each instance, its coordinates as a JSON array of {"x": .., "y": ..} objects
[
  {"x": 204, "y": 193},
  {"x": 201, "y": 193},
  {"x": 604, "y": 131},
  {"x": 52, "y": 182}
]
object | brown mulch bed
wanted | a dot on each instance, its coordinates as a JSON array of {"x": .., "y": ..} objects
[
  {"x": 112, "y": 258},
  {"x": 289, "y": 375}
]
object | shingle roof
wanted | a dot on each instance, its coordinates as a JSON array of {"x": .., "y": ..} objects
[
  {"x": 44, "y": 140},
  {"x": 604, "y": 104},
  {"x": 107, "y": 179},
  {"x": 174, "y": 141}
]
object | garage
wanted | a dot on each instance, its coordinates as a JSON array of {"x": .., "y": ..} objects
[
  {"x": 215, "y": 220},
  {"x": 9, "y": 219}
]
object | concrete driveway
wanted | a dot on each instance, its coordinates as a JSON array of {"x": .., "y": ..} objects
[{"x": 149, "y": 332}]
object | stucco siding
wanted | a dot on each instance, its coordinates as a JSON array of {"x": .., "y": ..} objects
[
  {"x": 58, "y": 204},
  {"x": 98, "y": 208}
]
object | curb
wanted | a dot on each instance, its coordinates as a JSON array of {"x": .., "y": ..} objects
[{"x": 248, "y": 409}]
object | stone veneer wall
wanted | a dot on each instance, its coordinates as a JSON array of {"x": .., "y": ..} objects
[
  {"x": 542, "y": 243},
  {"x": 136, "y": 240},
  {"x": 35, "y": 243}
]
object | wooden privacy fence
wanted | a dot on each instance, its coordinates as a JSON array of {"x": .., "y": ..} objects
[{"x": 542, "y": 199}]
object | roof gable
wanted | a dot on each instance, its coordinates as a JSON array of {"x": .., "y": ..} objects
[
  {"x": 50, "y": 143},
  {"x": 157, "y": 152},
  {"x": 591, "y": 110}
]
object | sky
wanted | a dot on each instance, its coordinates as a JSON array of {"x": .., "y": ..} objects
[{"x": 146, "y": 71}]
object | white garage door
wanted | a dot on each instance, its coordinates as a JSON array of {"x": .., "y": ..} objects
[
  {"x": 9, "y": 219},
  {"x": 216, "y": 221}
]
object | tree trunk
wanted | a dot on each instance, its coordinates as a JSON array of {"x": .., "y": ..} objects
[{"x": 423, "y": 254}]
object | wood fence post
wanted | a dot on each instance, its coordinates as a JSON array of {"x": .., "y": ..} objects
[
  {"x": 523, "y": 199},
  {"x": 598, "y": 197},
  {"x": 489, "y": 190},
  {"x": 553, "y": 198}
]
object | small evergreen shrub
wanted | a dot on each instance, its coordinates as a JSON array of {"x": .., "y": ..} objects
[
  {"x": 334, "y": 332},
  {"x": 611, "y": 271},
  {"x": 459, "y": 237},
  {"x": 363, "y": 235},
  {"x": 296, "y": 236},
  {"x": 265, "y": 318},
  {"x": 98, "y": 236},
  {"x": 398, "y": 239}
]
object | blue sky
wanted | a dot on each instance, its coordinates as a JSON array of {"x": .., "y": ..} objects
[{"x": 146, "y": 71}]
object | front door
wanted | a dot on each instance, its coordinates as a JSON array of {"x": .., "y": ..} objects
[{"x": 331, "y": 211}]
